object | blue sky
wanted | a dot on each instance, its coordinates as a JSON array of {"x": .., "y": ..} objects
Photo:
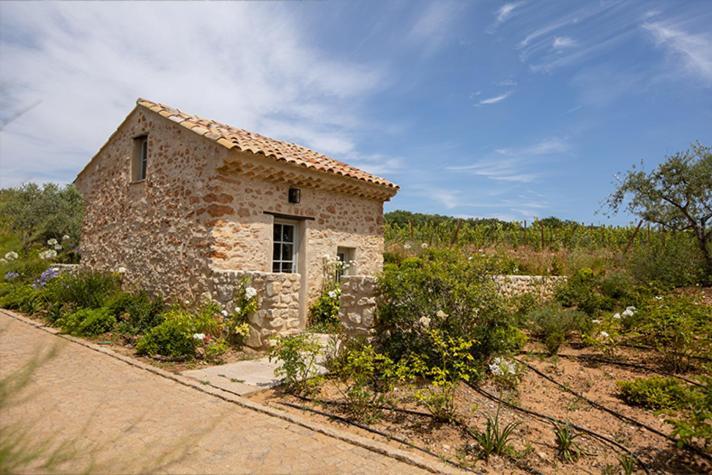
[{"x": 482, "y": 108}]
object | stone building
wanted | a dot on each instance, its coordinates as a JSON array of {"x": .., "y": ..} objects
[{"x": 187, "y": 207}]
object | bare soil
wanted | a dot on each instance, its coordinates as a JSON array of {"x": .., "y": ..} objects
[{"x": 533, "y": 442}]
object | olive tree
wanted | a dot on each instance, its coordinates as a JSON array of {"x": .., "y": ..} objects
[{"x": 677, "y": 195}]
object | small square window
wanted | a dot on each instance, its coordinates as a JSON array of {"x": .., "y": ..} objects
[{"x": 140, "y": 158}]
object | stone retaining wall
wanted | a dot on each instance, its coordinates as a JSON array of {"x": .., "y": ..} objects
[
  {"x": 539, "y": 285},
  {"x": 358, "y": 303},
  {"x": 278, "y": 294}
]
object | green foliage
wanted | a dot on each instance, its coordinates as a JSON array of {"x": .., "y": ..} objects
[
  {"x": 136, "y": 312},
  {"x": 88, "y": 322},
  {"x": 655, "y": 392},
  {"x": 298, "y": 369},
  {"x": 324, "y": 312},
  {"x": 366, "y": 378},
  {"x": 659, "y": 262},
  {"x": 495, "y": 439},
  {"x": 593, "y": 293},
  {"x": 22, "y": 297},
  {"x": 675, "y": 195},
  {"x": 554, "y": 325},
  {"x": 246, "y": 303},
  {"x": 695, "y": 424},
  {"x": 566, "y": 447},
  {"x": 444, "y": 290},
  {"x": 215, "y": 349},
  {"x": 677, "y": 326},
  {"x": 83, "y": 289},
  {"x": 627, "y": 464},
  {"x": 173, "y": 338},
  {"x": 37, "y": 213}
]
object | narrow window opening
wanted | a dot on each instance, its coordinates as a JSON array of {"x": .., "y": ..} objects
[
  {"x": 140, "y": 158},
  {"x": 284, "y": 248}
]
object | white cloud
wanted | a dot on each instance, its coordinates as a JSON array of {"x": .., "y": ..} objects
[
  {"x": 446, "y": 197},
  {"x": 545, "y": 147},
  {"x": 498, "y": 169},
  {"x": 694, "y": 50},
  {"x": 496, "y": 99},
  {"x": 432, "y": 28},
  {"x": 506, "y": 10},
  {"x": 249, "y": 65},
  {"x": 563, "y": 42}
]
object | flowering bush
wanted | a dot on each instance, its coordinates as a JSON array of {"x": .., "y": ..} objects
[
  {"x": 136, "y": 312},
  {"x": 442, "y": 290},
  {"x": 505, "y": 372},
  {"x": 173, "y": 338},
  {"x": 554, "y": 325},
  {"x": 235, "y": 323},
  {"x": 82, "y": 289},
  {"x": 297, "y": 355},
  {"x": 324, "y": 312},
  {"x": 49, "y": 274}
]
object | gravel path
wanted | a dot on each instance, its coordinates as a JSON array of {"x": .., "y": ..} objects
[{"x": 128, "y": 420}]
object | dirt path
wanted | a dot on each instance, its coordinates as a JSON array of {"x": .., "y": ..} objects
[{"x": 130, "y": 420}]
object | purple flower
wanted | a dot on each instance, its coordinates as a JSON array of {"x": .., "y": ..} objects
[
  {"x": 12, "y": 275},
  {"x": 45, "y": 277}
]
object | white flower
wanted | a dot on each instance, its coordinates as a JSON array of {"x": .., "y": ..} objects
[
  {"x": 424, "y": 322},
  {"x": 469, "y": 258},
  {"x": 406, "y": 246},
  {"x": 332, "y": 294},
  {"x": 424, "y": 245},
  {"x": 237, "y": 309},
  {"x": 66, "y": 237},
  {"x": 250, "y": 293},
  {"x": 631, "y": 308},
  {"x": 52, "y": 242},
  {"x": 440, "y": 314},
  {"x": 121, "y": 270},
  {"x": 187, "y": 302},
  {"x": 595, "y": 321},
  {"x": 11, "y": 256},
  {"x": 658, "y": 297},
  {"x": 57, "y": 247},
  {"x": 617, "y": 316},
  {"x": 604, "y": 334},
  {"x": 495, "y": 369},
  {"x": 3, "y": 260},
  {"x": 628, "y": 313},
  {"x": 224, "y": 313},
  {"x": 48, "y": 254},
  {"x": 199, "y": 336}
]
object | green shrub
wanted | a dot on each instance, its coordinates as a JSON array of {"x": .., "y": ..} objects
[
  {"x": 567, "y": 449},
  {"x": 83, "y": 289},
  {"x": 324, "y": 312},
  {"x": 655, "y": 392},
  {"x": 495, "y": 439},
  {"x": 297, "y": 355},
  {"x": 442, "y": 289},
  {"x": 246, "y": 302},
  {"x": 22, "y": 297},
  {"x": 137, "y": 312},
  {"x": 660, "y": 261},
  {"x": 677, "y": 326},
  {"x": 694, "y": 426},
  {"x": 215, "y": 349},
  {"x": 580, "y": 291},
  {"x": 88, "y": 322},
  {"x": 593, "y": 293},
  {"x": 554, "y": 325},
  {"x": 172, "y": 338}
]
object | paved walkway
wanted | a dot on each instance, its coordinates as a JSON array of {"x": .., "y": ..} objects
[{"x": 131, "y": 420}]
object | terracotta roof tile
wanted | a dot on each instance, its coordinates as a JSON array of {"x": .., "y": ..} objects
[{"x": 244, "y": 140}]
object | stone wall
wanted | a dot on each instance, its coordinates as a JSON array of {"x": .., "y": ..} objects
[
  {"x": 278, "y": 312},
  {"x": 539, "y": 285},
  {"x": 150, "y": 227},
  {"x": 358, "y": 303}
]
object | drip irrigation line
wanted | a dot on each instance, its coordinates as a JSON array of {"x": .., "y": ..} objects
[
  {"x": 647, "y": 347},
  {"x": 620, "y": 416},
  {"x": 616, "y": 363},
  {"x": 554, "y": 420},
  {"x": 374, "y": 431},
  {"x": 386, "y": 408}
]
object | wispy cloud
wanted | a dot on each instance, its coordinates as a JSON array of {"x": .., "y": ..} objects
[
  {"x": 563, "y": 42},
  {"x": 505, "y": 11},
  {"x": 545, "y": 147},
  {"x": 495, "y": 99},
  {"x": 431, "y": 29},
  {"x": 87, "y": 64},
  {"x": 693, "y": 50},
  {"x": 446, "y": 197},
  {"x": 498, "y": 169}
]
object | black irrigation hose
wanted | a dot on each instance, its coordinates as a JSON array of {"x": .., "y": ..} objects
[
  {"x": 554, "y": 420},
  {"x": 647, "y": 347},
  {"x": 616, "y": 363},
  {"x": 374, "y": 431},
  {"x": 620, "y": 416}
]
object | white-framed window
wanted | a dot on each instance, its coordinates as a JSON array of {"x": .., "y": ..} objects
[
  {"x": 140, "y": 158},
  {"x": 284, "y": 247}
]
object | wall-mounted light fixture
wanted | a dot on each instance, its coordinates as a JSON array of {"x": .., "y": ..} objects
[{"x": 295, "y": 195}]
